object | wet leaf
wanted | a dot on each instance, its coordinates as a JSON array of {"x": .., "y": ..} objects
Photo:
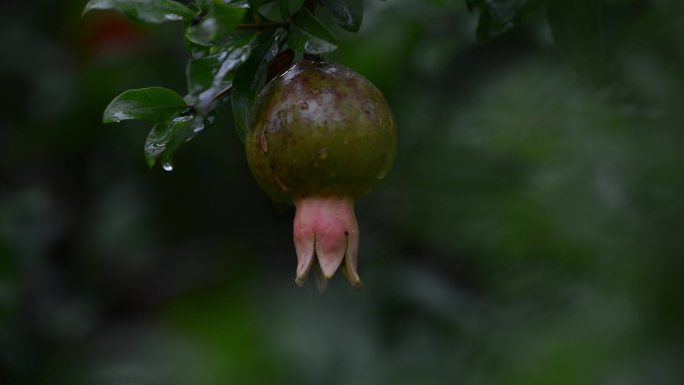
[
  {"x": 238, "y": 3},
  {"x": 249, "y": 78},
  {"x": 309, "y": 35},
  {"x": 154, "y": 104},
  {"x": 201, "y": 72},
  {"x": 347, "y": 13},
  {"x": 221, "y": 20},
  {"x": 196, "y": 50},
  {"x": 145, "y": 11},
  {"x": 208, "y": 75},
  {"x": 215, "y": 78},
  {"x": 166, "y": 137}
]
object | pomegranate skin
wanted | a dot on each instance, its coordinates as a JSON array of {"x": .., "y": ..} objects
[
  {"x": 320, "y": 129},
  {"x": 321, "y": 136}
]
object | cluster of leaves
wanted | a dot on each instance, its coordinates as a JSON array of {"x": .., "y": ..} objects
[{"x": 235, "y": 46}]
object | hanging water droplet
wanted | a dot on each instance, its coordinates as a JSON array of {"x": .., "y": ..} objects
[{"x": 167, "y": 166}]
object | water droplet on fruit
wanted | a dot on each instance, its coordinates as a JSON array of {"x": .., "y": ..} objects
[{"x": 167, "y": 166}]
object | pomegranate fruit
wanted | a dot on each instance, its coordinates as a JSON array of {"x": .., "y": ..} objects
[{"x": 321, "y": 136}]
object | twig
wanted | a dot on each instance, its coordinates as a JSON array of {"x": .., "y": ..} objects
[{"x": 223, "y": 92}]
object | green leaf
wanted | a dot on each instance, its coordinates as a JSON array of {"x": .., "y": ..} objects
[
  {"x": 239, "y": 3},
  {"x": 155, "y": 104},
  {"x": 577, "y": 28},
  {"x": 347, "y": 13},
  {"x": 201, "y": 72},
  {"x": 254, "y": 4},
  {"x": 221, "y": 20},
  {"x": 287, "y": 6},
  {"x": 145, "y": 11},
  {"x": 309, "y": 35},
  {"x": 166, "y": 137},
  {"x": 500, "y": 16},
  {"x": 196, "y": 50},
  {"x": 208, "y": 75},
  {"x": 249, "y": 78}
]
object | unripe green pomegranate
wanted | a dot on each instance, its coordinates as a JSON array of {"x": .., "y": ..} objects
[{"x": 321, "y": 136}]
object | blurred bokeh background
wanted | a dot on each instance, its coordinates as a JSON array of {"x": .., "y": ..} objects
[{"x": 530, "y": 232}]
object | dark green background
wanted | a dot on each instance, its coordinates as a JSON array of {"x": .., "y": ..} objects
[{"x": 530, "y": 231}]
